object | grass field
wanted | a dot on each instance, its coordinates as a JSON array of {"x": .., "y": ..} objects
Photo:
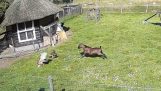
[{"x": 133, "y": 50}]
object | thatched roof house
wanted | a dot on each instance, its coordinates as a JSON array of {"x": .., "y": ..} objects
[
  {"x": 28, "y": 21},
  {"x": 27, "y": 10}
]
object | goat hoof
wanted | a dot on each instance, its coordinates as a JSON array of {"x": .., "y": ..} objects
[{"x": 104, "y": 57}]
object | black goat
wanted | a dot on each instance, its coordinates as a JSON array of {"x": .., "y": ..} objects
[
  {"x": 91, "y": 52},
  {"x": 64, "y": 27}
]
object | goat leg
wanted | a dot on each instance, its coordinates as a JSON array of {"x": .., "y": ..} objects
[
  {"x": 83, "y": 55},
  {"x": 104, "y": 56}
]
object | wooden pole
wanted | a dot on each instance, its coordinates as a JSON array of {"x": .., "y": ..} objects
[
  {"x": 39, "y": 46},
  {"x": 50, "y": 80},
  {"x": 147, "y": 7},
  {"x": 13, "y": 45},
  {"x": 150, "y": 17},
  {"x": 51, "y": 37},
  {"x": 159, "y": 17},
  {"x": 121, "y": 8},
  {"x": 33, "y": 43},
  {"x": 81, "y": 7},
  {"x": 54, "y": 39}
]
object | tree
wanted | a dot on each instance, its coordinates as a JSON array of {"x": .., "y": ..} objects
[{"x": 4, "y": 4}]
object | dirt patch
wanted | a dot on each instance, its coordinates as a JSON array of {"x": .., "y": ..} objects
[{"x": 5, "y": 63}]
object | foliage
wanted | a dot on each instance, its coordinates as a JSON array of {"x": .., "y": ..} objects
[
  {"x": 4, "y": 4},
  {"x": 1, "y": 30},
  {"x": 133, "y": 51}
]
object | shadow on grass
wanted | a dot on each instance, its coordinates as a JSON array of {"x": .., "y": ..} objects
[
  {"x": 41, "y": 89},
  {"x": 94, "y": 56},
  {"x": 115, "y": 89},
  {"x": 158, "y": 24},
  {"x": 101, "y": 89}
]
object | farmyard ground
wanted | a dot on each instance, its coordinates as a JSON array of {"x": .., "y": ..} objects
[{"x": 133, "y": 50}]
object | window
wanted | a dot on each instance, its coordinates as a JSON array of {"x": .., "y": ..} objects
[{"x": 26, "y": 31}]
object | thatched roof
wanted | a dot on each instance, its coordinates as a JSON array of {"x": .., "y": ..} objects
[{"x": 27, "y": 10}]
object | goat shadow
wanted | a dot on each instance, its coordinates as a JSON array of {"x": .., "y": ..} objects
[{"x": 94, "y": 56}]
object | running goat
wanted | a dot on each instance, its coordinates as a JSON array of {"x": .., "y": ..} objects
[{"x": 91, "y": 52}]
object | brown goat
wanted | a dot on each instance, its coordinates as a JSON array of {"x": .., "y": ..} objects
[{"x": 91, "y": 52}]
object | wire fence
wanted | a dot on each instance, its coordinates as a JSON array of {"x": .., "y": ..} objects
[{"x": 125, "y": 7}]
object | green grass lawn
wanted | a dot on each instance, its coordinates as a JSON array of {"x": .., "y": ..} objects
[{"x": 133, "y": 50}]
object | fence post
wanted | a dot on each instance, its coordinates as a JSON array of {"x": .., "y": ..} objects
[
  {"x": 51, "y": 37},
  {"x": 122, "y": 8},
  {"x": 147, "y": 6},
  {"x": 50, "y": 80},
  {"x": 81, "y": 8},
  {"x": 111, "y": 7},
  {"x": 33, "y": 43}
]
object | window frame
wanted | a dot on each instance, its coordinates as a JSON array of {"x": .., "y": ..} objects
[{"x": 26, "y": 30}]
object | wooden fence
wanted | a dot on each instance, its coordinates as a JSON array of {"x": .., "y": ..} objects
[{"x": 70, "y": 10}]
